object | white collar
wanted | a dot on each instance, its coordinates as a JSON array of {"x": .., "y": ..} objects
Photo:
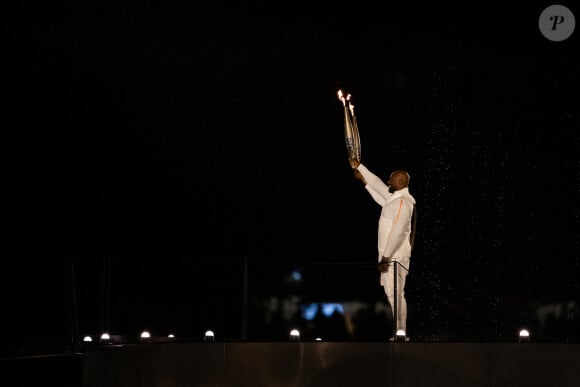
[{"x": 400, "y": 193}]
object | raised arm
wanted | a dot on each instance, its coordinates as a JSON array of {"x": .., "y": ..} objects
[
  {"x": 374, "y": 184},
  {"x": 379, "y": 190}
]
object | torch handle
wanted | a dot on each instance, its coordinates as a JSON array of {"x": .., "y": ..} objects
[{"x": 349, "y": 134}]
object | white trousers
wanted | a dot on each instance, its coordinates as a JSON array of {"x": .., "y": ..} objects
[{"x": 388, "y": 283}]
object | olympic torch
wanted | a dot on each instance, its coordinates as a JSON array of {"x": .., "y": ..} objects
[
  {"x": 355, "y": 134},
  {"x": 351, "y": 134}
]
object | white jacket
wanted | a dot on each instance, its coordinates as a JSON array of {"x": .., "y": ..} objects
[{"x": 395, "y": 220}]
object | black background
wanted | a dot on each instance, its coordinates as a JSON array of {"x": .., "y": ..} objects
[{"x": 162, "y": 138}]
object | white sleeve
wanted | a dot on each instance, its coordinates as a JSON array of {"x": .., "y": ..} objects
[
  {"x": 375, "y": 195},
  {"x": 376, "y": 187}
]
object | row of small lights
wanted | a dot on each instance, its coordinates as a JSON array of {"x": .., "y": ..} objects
[
  {"x": 209, "y": 336},
  {"x": 401, "y": 335},
  {"x": 144, "y": 335}
]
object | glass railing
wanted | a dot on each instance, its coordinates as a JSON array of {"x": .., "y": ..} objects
[{"x": 259, "y": 300}]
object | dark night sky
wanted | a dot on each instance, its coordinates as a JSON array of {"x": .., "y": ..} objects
[{"x": 181, "y": 134}]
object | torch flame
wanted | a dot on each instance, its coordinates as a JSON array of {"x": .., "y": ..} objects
[{"x": 341, "y": 97}]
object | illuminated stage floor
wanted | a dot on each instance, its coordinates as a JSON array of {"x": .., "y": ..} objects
[
  {"x": 302, "y": 364},
  {"x": 333, "y": 364}
]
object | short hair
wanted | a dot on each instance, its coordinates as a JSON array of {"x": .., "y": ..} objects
[{"x": 398, "y": 174}]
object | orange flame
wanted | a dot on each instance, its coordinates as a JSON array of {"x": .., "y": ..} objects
[{"x": 342, "y": 98}]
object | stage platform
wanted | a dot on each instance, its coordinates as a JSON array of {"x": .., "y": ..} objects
[
  {"x": 349, "y": 364},
  {"x": 333, "y": 364}
]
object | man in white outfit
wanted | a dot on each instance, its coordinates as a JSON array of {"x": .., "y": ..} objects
[{"x": 395, "y": 238}]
